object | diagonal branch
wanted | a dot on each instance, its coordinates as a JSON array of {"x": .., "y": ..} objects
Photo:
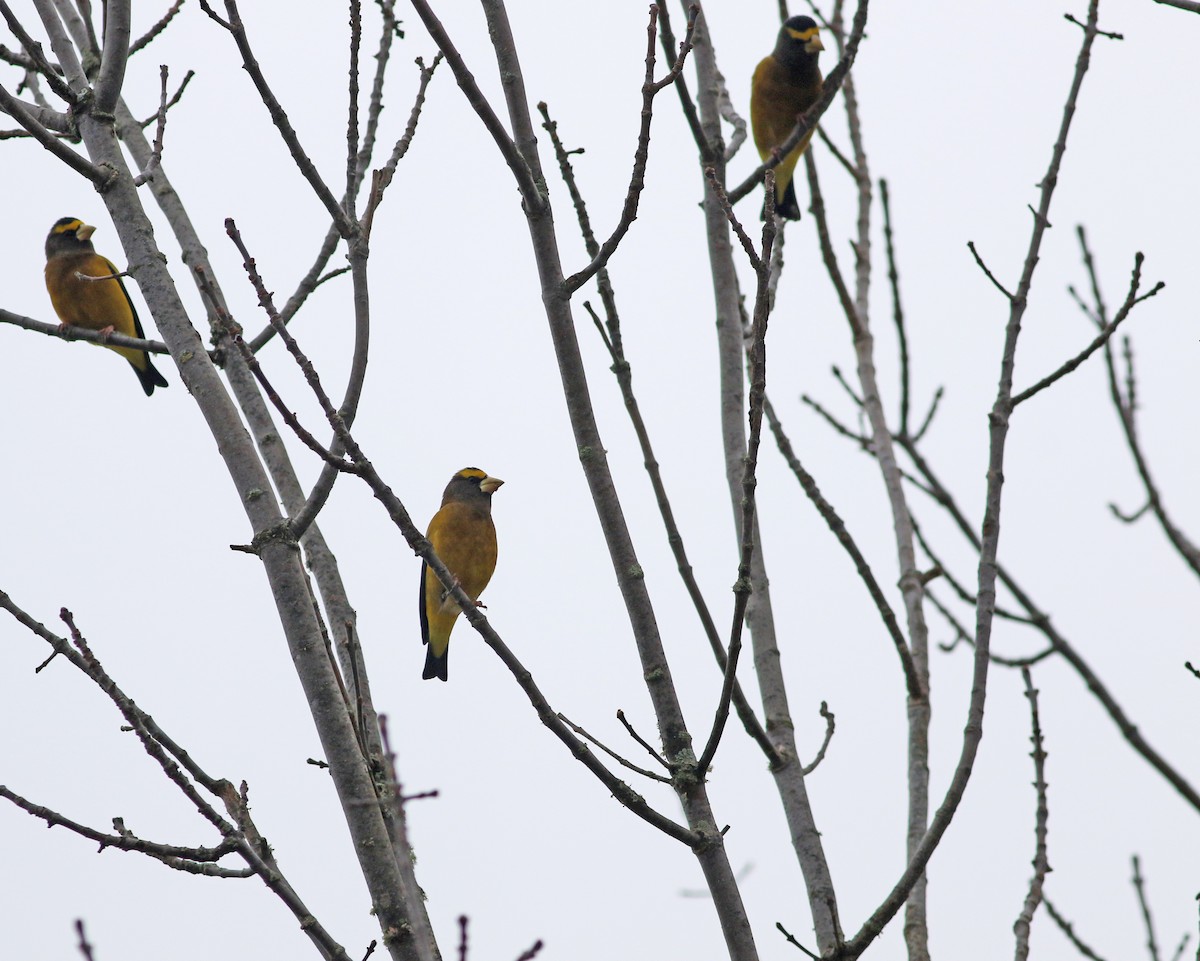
[
  {"x": 237, "y": 29},
  {"x": 650, "y": 89},
  {"x": 531, "y": 192}
]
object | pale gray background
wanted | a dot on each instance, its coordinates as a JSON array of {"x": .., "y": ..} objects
[{"x": 118, "y": 507}]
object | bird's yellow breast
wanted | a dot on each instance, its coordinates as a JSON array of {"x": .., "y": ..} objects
[
  {"x": 465, "y": 540},
  {"x": 776, "y": 100}
]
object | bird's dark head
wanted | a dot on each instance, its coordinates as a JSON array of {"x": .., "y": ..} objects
[
  {"x": 473, "y": 486},
  {"x": 69, "y": 235},
  {"x": 799, "y": 42}
]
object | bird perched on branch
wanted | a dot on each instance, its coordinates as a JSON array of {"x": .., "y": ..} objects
[
  {"x": 102, "y": 305},
  {"x": 464, "y": 537},
  {"x": 784, "y": 85}
]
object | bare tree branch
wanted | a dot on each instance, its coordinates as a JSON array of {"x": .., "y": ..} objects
[{"x": 1041, "y": 862}]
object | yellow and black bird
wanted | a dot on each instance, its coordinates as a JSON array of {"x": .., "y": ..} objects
[
  {"x": 784, "y": 85},
  {"x": 102, "y": 305},
  {"x": 464, "y": 537}
]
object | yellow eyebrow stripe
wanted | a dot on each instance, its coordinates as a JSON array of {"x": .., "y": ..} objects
[{"x": 803, "y": 34}]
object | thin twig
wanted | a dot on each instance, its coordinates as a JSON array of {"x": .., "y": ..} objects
[
  {"x": 164, "y": 21},
  {"x": 1069, "y": 930},
  {"x": 650, "y": 89},
  {"x": 757, "y": 352},
  {"x": 632, "y": 732},
  {"x": 160, "y": 130},
  {"x": 531, "y": 192},
  {"x": 1041, "y": 862},
  {"x": 346, "y": 226},
  {"x": 838, "y": 528},
  {"x": 984, "y": 267},
  {"x": 1139, "y": 886},
  {"x": 898, "y": 311},
  {"x": 654, "y": 775},
  {"x": 1131, "y": 301},
  {"x": 610, "y": 334},
  {"x": 830, "y": 723}
]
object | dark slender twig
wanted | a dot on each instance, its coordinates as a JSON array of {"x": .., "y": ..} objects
[
  {"x": 1139, "y": 887},
  {"x": 164, "y": 21},
  {"x": 317, "y": 274},
  {"x": 1069, "y": 930},
  {"x": 861, "y": 440},
  {"x": 828, "y": 254},
  {"x": 237, "y": 29},
  {"x": 830, "y": 723},
  {"x": 160, "y": 131},
  {"x": 671, "y": 48},
  {"x": 897, "y": 309},
  {"x": 531, "y": 952},
  {"x": 531, "y": 192},
  {"x": 792, "y": 941},
  {"x": 1071, "y": 18},
  {"x": 37, "y": 60},
  {"x": 178, "y": 95},
  {"x": 194, "y": 860},
  {"x": 611, "y": 753},
  {"x": 650, "y": 89},
  {"x": 984, "y": 267},
  {"x": 1125, "y": 401},
  {"x": 845, "y": 385},
  {"x": 1131, "y": 301},
  {"x": 963, "y": 636},
  {"x": 632, "y": 732},
  {"x": 933, "y": 408},
  {"x": 610, "y": 334},
  {"x": 85, "y": 947},
  {"x": 840, "y": 157},
  {"x": 757, "y": 352},
  {"x": 1041, "y": 862},
  {"x": 838, "y": 527}
]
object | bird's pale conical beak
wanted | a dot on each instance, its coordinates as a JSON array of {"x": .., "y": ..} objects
[
  {"x": 490, "y": 484},
  {"x": 814, "y": 44},
  {"x": 84, "y": 232}
]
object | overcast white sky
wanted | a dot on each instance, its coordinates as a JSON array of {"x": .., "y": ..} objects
[{"x": 118, "y": 507}]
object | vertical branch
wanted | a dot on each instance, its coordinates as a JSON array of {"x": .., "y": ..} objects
[
  {"x": 677, "y": 742},
  {"x": 789, "y": 775},
  {"x": 998, "y": 423},
  {"x": 1139, "y": 886},
  {"x": 391, "y": 901},
  {"x": 916, "y": 928},
  {"x": 114, "y": 57},
  {"x": 1041, "y": 862},
  {"x": 352, "y": 145}
]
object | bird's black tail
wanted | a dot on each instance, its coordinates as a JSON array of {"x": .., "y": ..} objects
[
  {"x": 436, "y": 666},
  {"x": 788, "y": 208},
  {"x": 150, "y": 377}
]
